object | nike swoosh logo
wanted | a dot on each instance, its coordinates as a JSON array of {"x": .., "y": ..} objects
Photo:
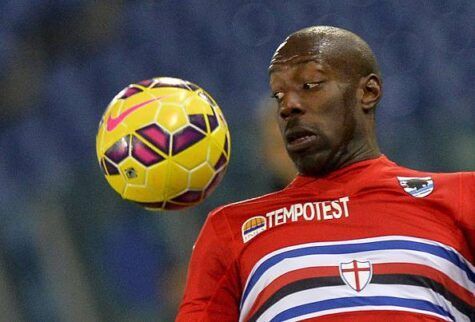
[{"x": 113, "y": 122}]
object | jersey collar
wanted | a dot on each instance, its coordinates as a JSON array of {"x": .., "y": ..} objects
[{"x": 342, "y": 175}]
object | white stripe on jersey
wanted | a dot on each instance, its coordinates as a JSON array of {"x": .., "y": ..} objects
[
  {"x": 368, "y": 308},
  {"x": 334, "y": 292},
  {"x": 358, "y": 241},
  {"x": 375, "y": 257},
  {"x": 286, "y": 265}
]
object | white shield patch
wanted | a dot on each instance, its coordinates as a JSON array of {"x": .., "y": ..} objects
[
  {"x": 356, "y": 274},
  {"x": 418, "y": 187}
]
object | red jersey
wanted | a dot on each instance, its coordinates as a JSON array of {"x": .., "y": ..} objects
[{"x": 369, "y": 242}]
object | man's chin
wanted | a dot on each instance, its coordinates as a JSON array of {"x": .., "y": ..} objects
[{"x": 311, "y": 165}]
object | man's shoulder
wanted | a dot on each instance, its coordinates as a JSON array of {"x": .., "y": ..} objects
[
  {"x": 448, "y": 183},
  {"x": 407, "y": 171},
  {"x": 251, "y": 204},
  {"x": 234, "y": 218}
]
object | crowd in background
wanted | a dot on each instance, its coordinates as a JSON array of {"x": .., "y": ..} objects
[{"x": 70, "y": 248}]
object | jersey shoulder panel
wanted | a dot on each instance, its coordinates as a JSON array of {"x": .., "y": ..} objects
[
  {"x": 253, "y": 202},
  {"x": 445, "y": 185},
  {"x": 236, "y": 211}
]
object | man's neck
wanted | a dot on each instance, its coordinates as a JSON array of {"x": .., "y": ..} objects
[{"x": 352, "y": 154}]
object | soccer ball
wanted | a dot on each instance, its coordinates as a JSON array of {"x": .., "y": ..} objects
[{"x": 163, "y": 143}]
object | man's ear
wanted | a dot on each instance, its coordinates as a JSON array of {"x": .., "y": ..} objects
[{"x": 370, "y": 91}]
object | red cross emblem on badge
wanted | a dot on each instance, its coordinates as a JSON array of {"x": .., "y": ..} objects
[{"x": 356, "y": 274}]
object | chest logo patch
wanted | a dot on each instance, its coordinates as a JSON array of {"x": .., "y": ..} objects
[
  {"x": 418, "y": 187},
  {"x": 253, "y": 227},
  {"x": 356, "y": 274}
]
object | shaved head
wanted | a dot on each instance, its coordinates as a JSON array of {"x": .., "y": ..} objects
[
  {"x": 327, "y": 84},
  {"x": 337, "y": 47}
]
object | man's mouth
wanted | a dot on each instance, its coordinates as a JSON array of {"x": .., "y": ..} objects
[{"x": 300, "y": 139}]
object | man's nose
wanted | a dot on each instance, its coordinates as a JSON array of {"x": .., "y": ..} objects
[{"x": 291, "y": 106}]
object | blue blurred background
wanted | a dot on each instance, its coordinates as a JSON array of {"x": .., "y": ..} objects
[{"x": 70, "y": 248}]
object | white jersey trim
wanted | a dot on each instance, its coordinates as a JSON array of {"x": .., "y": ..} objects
[
  {"x": 379, "y": 256},
  {"x": 337, "y": 292}
]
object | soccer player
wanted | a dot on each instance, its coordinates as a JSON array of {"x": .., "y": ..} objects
[{"x": 355, "y": 237}]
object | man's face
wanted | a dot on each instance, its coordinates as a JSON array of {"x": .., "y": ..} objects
[{"x": 316, "y": 113}]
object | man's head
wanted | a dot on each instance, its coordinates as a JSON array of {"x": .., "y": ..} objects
[{"x": 327, "y": 84}]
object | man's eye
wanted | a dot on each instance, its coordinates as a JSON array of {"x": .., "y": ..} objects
[
  {"x": 278, "y": 95},
  {"x": 311, "y": 85}
]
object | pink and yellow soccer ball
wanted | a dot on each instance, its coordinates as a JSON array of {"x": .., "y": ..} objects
[{"x": 163, "y": 143}]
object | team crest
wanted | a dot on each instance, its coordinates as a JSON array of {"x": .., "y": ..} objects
[
  {"x": 356, "y": 274},
  {"x": 253, "y": 227},
  {"x": 418, "y": 187}
]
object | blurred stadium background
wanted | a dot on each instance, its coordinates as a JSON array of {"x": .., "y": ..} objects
[{"x": 70, "y": 248}]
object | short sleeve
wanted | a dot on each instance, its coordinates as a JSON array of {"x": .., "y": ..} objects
[
  {"x": 212, "y": 287},
  {"x": 467, "y": 218}
]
